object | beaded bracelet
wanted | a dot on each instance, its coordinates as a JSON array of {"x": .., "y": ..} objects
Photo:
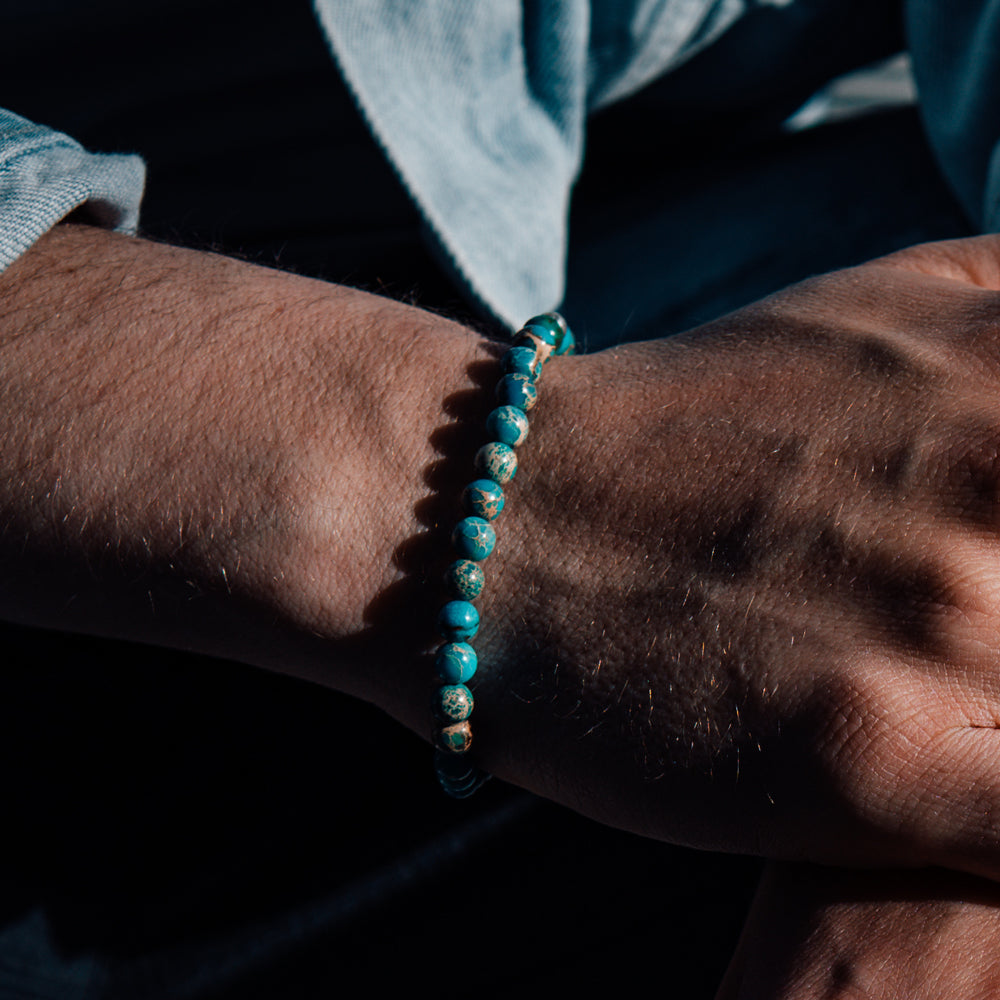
[{"x": 474, "y": 538}]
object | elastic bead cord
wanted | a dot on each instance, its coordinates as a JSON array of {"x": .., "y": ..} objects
[{"x": 474, "y": 538}]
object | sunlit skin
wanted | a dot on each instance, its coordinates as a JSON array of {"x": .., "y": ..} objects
[{"x": 746, "y": 595}]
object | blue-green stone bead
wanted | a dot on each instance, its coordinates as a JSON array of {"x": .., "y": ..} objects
[
  {"x": 552, "y": 319},
  {"x": 568, "y": 345},
  {"x": 474, "y": 538},
  {"x": 543, "y": 350},
  {"x": 507, "y": 424},
  {"x": 465, "y": 789},
  {"x": 547, "y": 327},
  {"x": 458, "y": 776},
  {"x": 464, "y": 580},
  {"x": 458, "y": 621},
  {"x": 456, "y": 662},
  {"x": 457, "y": 767},
  {"x": 522, "y": 360},
  {"x": 484, "y": 498},
  {"x": 452, "y": 703},
  {"x": 517, "y": 390},
  {"x": 456, "y": 738},
  {"x": 497, "y": 461}
]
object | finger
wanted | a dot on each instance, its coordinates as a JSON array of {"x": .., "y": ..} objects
[
  {"x": 735, "y": 983},
  {"x": 775, "y": 938},
  {"x": 732, "y": 985},
  {"x": 825, "y": 933}
]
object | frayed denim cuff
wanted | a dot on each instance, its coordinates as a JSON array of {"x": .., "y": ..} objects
[{"x": 45, "y": 175}]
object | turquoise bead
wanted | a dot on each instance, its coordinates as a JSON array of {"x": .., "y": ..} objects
[
  {"x": 522, "y": 360},
  {"x": 507, "y": 424},
  {"x": 456, "y": 662},
  {"x": 452, "y": 703},
  {"x": 458, "y": 776},
  {"x": 497, "y": 461},
  {"x": 458, "y": 621},
  {"x": 554, "y": 320},
  {"x": 548, "y": 327},
  {"x": 474, "y": 538},
  {"x": 456, "y": 738},
  {"x": 454, "y": 767},
  {"x": 544, "y": 351},
  {"x": 464, "y": 580},
  {"x": 484, "y": 498},
  {"x": 465, "y": 789},
  {"x": 568, "y": 345},
  {"x": 517, "y": 390}
]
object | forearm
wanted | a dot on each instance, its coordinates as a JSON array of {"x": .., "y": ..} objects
[{"x": 201, "y": 453}]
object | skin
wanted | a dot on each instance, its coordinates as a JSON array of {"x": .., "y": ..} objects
[
  {"x": 823, "y": 934},
  {"x": 746, "y": 592}
]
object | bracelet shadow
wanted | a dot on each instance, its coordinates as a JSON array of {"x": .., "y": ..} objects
[{"x": 403, "y": 615}]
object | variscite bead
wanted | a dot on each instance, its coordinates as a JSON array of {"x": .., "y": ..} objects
[
  {"x": 452, "y": 703},
  {"x": 497, "y": 461},
  {"x": 483, "y": 498},
  {"x": 456, "y": 662},
  {"x": 555, "y": 318},
  {"x": 507, "y": 424},
  {"x": 474, "y": 538},
  {"x": 464, "y": 580},
  {"x": 531, "y": 340},
  {"x": 517, "y": 390},
  {"x": 456, "y": 767},
  {"x": 549, "y": 327},
  {"x": 458, "y": 621},
  {"x": 463, "y": 788},
  {"x": 456, "y": 738},
  {"x": 522, "y": 360},
  {"x": 459, "y": 777}
]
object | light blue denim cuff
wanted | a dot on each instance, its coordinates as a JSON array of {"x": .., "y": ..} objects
[
  {"x": 444, "y": 88},
  {"x": 44, "y": 175},
  {"x": 481, "y": 108}
]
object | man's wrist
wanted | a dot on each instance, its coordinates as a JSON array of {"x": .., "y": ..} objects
[{"x": 207, "y": 454}]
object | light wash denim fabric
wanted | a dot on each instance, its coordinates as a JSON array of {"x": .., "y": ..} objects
[
  {"x": 44, "y": 175},
  {"x": 479, "y": 106}
]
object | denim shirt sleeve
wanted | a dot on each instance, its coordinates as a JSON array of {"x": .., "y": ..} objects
[
  {"x": 45, "y": 175},
  {"x": 481, "y": 108}
]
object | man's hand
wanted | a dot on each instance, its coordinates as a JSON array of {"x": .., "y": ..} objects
[
  {"x": 751, "y": 591},
  {"x": 824, "y": 934}
]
